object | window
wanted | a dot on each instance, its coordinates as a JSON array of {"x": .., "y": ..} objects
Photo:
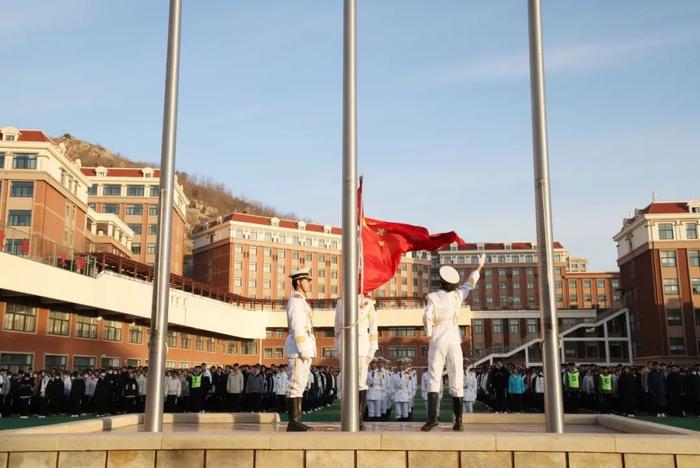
[
  {"x": 668, "y": 258},
  {"x": 137, "y": 228},
  {"x": 238, "y": 282},
  {"x": 267, "y": 268},
  {"x": 92, "y": 190},
  {"x": 695, "y": 285},
  {"x": 135, "y": 334},
  {"x": 677, "y": 345},
  {"x": 478, "y": 327},
  {"x": 22, "y": 189},
  {"x": 24, "y": 161},
  {"x": 694, "y": 257},
  {"x": 58, "y": 324},
  {"x": 671, "y": 286},
  {"x": 230, "y": 347},
  {"x": 586, "y": 284},
  {"x": 109, "y": 363},
  {"x": 691, "y": 231},
  {"x": 601, "y": 298},
  {"x": 185, "y": 340},
  {"x": 280, "y": 269},
  {"x": 20, "y": 318},
  {"x": 253, "y": 251},
  {"x": 674, "y": 317},
  {"x": 237, "y": 265},
  {"x": 249, "y": 347},
  {"x": 530, "y": 285},
  {"x": 54, "y": 361},
  {"x": 92, "y": 206},
  {"x": 16, "y": 362},
  {"x": 136, "y": 210},
  {"x": 135, "y": 190},
  {"x": 401, "y": 332},
  {"x": 253, "y": 266},
  {"x": 152, "y": 210},
  {"x": 112, "y": 190},
  {"x": 112, "y": 330},
  {"x": 86, "y": 327},
  {"x": 83, "y": 362},
  {"x": 497, "y": 327},
  {"x": 532, "y": 327},
  {"x": 110, "y": 208},
  {"x": 150, "y": 249},
  {"x": 514, "y": 326},
  {"x": 19, "y": 218},
  {"x": 211, "y": 344},
  {"x": 172, "y": 339},
  {"x": 328, "y": 353},
  {"x": 267, "y": 353},
  {"x": 601, "y": 284},
  {"x": 665, "y": 231},
  {"x": 573, "y": 298},
  {"x": 396, "y": 352},
  {"x": 252, "y": 283},
  {"x": 154, "y": 190},
  {"x": 136, "y": 248},
  {"x": 2, "y": 160},
  {"x": 199, "y": 343}
]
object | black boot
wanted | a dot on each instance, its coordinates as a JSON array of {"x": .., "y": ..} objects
[
  {"x": 432, "y": 421},
  {"x": 457, "y": 410},
  {"x": 294, "y": 413},
  {"x": 363, "y": 405}
]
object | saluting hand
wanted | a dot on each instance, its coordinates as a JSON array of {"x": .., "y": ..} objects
[{"x": 482, "y": 261}]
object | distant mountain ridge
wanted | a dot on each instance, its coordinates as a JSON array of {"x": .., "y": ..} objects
[{"x": 208, "y": 199}]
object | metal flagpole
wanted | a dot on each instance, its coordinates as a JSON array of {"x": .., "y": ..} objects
[
  {"x": 153, "y": 421},
  {"x": 350, "y": 399},
  {"x": 554, "y": 414}
]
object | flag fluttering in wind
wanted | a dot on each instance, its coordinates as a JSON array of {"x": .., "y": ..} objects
[{"x": 384, "y": 242}]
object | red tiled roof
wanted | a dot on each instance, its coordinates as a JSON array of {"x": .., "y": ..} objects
[
  {"x": 119, "y": 172},
  {"x": 502, "y": 246},
  {"x": 285, "y": 223},
  {"x": 33, "y": 135},
  {"x": 666, "y": 208}
]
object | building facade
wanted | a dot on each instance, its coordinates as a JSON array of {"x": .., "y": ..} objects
[
  {"x": 133, "y": 195},
  {"x": 659, "y": 258},
  {"x": 43, "y": 197}
]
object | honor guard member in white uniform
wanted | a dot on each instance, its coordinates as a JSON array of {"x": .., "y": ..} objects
[
  {"x": 374, "y": 392},
  {"x": 299, "y": 347},
  {"x": 367, "y": 342},
  {"x": 402, "y": 385},
  {"x": 441, "y": 326}
]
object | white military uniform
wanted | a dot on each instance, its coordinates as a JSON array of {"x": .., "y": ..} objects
[
  {"x": 367, "y": 335},
  {"x": 470, "y": 387},
  {"x": 441, "y": 326},
  {"x": 300, "y": 345},
  {"x": 375, "y": 384},
  {"x": 402, "y": 386}
]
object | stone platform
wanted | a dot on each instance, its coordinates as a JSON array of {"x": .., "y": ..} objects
[{"x": 260, "y": 441}]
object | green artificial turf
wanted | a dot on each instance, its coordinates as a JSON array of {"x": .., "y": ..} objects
[
  {"x": 16, "y": 422},
  {"x": 689, "y": 422}
]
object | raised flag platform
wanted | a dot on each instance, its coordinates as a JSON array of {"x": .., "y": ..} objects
[{"x": 260, "y": 440}]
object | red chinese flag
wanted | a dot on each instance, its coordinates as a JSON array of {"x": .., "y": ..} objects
[
  {"x": 2, "y": 240},
  {"x": 384, "y": 242},
  {"x": 80, "y": 263},
  {"x": 24, "y": 246}
]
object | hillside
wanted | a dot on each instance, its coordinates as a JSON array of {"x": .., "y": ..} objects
[{"x": 208, "y": 198}]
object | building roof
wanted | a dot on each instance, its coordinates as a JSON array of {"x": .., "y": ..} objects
[
  {"x": 502, "y": 246},
  {"x": 666, "y": 208},
  {"x": 119, "y": 172},
  {"x": 33, "y": 135},
  {"x": 285, "y": 223}
]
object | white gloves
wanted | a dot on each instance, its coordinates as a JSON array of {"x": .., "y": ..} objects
[{"x": 482, "y": 260}]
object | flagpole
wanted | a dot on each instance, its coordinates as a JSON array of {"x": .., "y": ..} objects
[
  {"x": 554, "y": 413},
  {"x": 349, "y": 419},
  {"x": 153, "y": 419}
]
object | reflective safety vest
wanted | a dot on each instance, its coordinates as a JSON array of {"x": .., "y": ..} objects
[
  {"x": 606, "y": 383},
  {"x": 196, "y": 381},
  {"x": 572, "y": 379}
]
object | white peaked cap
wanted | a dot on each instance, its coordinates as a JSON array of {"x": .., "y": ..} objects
[{"x": 449, "y": 275}]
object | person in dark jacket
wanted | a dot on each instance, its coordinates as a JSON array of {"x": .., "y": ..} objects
[
  {"x": 130, "y": 392},
  {"x": 628, "y": 392},
  {"x": 656, "y": 382},
  {"x": 77, "y": 393},
  {"x": 694, "y": 390},
  {"x": 103, "y": 394},
  {"x": 24, "y": 395},
  {"x": 674, "y": 386},
  {"x": 197, "y": 384},
  {"x": 254, "y": 387},
  {"x": 54, "y": 392},
  {"x": 498, "y": 383}
]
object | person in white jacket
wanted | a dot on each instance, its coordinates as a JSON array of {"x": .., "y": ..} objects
[
  {"x": 401, "y": 384},
  {"x": 470, "y": 387},
  {"x": 234, "y": 388},
  {"x": 299, "y": 347},
  {"x": 280, "y": 384},
  {"x": 173, "y": 390},
  {"x": 367, "y": 342},
  {"x": 440, "y": 319}
]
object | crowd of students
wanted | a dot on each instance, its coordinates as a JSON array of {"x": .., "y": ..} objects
[
  {"x": 113, "y": 391},
  {"x": 656, "y": 389}
]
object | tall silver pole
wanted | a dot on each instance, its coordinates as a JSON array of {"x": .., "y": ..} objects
[
  {"x": 349, "y": 412},
  {"x": 153, "y": 421},
  {"x": 554, "y": 414}
]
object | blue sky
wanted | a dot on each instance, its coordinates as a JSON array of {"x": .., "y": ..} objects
[{"x": 444, "y": 106}]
